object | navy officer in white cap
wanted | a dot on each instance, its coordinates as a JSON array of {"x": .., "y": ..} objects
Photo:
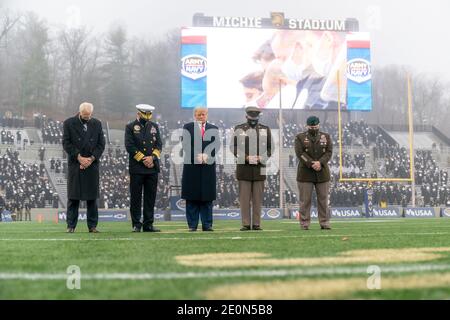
[{"x": 144, "y": 145}]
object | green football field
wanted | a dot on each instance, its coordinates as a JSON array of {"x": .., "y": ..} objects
[{"x": 357, "y": 259}]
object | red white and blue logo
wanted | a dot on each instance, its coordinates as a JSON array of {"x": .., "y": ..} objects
[
  {"x": 194, "y": 66},
  {"x": 359, "y": 70}
]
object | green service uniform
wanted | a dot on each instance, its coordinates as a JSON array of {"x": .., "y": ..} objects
[{"x": 309, "y": 148}]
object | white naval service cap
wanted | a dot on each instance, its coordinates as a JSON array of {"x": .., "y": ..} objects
[
  {"x": 252, "y": 111},
  {"x": 145, "y": 108}
]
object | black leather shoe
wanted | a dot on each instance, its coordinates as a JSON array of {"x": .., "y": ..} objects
[
  {"x": 325, "y": 227},
  {"x": 245, "y": 228},
  {"x": 305, "y": 227},
  {"x": 93, "y": 230},
  {"x": 70, "y": 230},
  {"x": 256, "y": 228},
  {"x": 208, "y": 229},
  {"x": 192, "y": 230},
  {"x": 150, "y": 229},
  {"x": 136, "y": 229}
]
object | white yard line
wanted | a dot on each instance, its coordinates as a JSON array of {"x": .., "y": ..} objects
[
  {"x": 237, "y": 237},
  {"x": 349, "y": 221},
  {"x": 225, "y": 274}
]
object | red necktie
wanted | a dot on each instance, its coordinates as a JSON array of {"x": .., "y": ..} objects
[{"x": 203, "y": 130}]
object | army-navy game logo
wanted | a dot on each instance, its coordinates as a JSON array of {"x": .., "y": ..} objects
[
  {"x": 359, "y": 70},
  {"x": 194, "y": 66},
  {"x": 181, "y": 204},
  {"x": 273, "y": 213},
  {"x": 445, "y": 212},
  {"x": 233, "y": 214}
]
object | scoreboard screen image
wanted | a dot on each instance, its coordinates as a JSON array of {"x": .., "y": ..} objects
[{"x": 275, "y": 68}]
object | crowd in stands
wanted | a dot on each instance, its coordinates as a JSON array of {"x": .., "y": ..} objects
[
  {"x": 52, "y": 132},
  {"x": 22, "y": 182},
  {"x": 8, "y": 120}
]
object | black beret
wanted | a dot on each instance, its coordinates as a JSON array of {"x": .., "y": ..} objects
[{"x": 312, "y": 121}]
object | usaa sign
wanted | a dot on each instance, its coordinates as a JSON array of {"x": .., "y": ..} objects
[
  {"x": 338, "y": 213},
  {"x": 445, "y": 212},
  {"x": 390, "y": 212},
  {"x": 6, "y": 216},
  {"x": 419, "y": 213},
  {"x": 102, "y": 215}
]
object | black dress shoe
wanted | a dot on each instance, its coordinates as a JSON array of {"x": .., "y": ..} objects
[
  {"x": 192, "y": 229},
  {"x": 136, "y": 229},
  {"x": 93, "y": 230},
  {"x": 245, "y": 228},
  {"x": 305, "y": 227},
  {"x": 256, "y": 228},
  {"x": 70, "y": 230},
  {"x": 208, "y": 229},
  {"x": 325, "y": 227},
  {"x": 150, "y": 229}
]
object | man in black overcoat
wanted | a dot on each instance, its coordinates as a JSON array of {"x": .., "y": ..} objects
[
  {"x": 84, "y": 142},
  {"x": 198, "y": 185}
]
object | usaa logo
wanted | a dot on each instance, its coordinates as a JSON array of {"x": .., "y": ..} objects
[
  {"x": 194, "y": 66},
  {"x": 359, "y": 70},
  {"x": 273, "y": 213},
  {"x": 120, "y": 216},
  {"x": 233, "y": 214},
  {"x": 181, "y": 204},
  {"x": 446, "y": 212}
]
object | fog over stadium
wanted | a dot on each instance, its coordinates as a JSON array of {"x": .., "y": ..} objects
[{"x": 403, "y": 32}]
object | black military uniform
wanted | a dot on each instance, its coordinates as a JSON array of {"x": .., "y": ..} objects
[
  {"x": 142, "y": 139},
  {"x": 311, "y": 146},
  {"x": 251, "y": 139}
]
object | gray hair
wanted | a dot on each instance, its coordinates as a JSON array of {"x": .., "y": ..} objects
[{"x": 86, "y": 106}]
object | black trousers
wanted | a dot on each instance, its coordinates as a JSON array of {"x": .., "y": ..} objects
[
  {"x": 149, "y": 184},
  {"x": 72, "y": 213}
]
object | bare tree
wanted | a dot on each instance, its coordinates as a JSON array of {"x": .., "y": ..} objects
[
  {"x": 75, "y": 45},
  {"x": 7, "y": 23}
]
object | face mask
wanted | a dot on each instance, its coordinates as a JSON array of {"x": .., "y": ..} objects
[
  {"x": 322, "y": 67},
  {"x": 83, "y": 121},
  {"x": 252, "y": 122},
  {"x": 292, "y": 70},
  {"x": 313, "y": 132},
  {"x": 145, "y": 115},
  {"x": 142, "y": 121}
]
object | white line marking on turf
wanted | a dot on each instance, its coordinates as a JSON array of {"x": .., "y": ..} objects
[
  {"x": 349, "y": 221},
  {"x": 231, "y": 238},
  {"x": 225, "y": 274}
]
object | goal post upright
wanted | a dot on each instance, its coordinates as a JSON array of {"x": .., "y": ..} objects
[{"x": 370, "y": 181}]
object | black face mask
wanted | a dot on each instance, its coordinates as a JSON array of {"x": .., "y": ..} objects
[
  {"x": 252, "y": 122},
  {"x": 313, "y": 132},
  {"x": 142, "y": 121},
  {"x": 83, "y": 121}
]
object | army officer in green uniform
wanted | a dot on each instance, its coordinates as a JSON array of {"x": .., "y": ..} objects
[{"x": 314, "y": 149}]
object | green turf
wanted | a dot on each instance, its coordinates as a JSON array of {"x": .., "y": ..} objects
[{"x": 120, "y": 251}]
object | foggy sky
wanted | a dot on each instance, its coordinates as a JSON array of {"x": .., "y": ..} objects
[{"x": 406, "y": 32}]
